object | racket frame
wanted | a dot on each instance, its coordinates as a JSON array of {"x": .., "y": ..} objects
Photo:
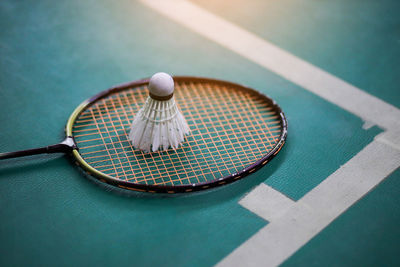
[{"x": 175, "y": 188}]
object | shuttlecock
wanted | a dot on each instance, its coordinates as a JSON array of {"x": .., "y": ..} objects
[{"x": 159, "y": 124}]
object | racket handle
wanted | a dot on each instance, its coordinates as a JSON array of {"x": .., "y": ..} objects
[{"x": 64, "y": 147}]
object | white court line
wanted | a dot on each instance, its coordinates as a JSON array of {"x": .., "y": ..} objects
[
  {"x": 390, "y": 137},
  {"x": 281, "y": 62},
  {"x": 290, "y": 229},
  {"x": 266, "y": 202},
  {"x": 285, "y": 234}
]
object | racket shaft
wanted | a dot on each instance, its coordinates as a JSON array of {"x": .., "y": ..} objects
[{"x": 58, "y": 148}]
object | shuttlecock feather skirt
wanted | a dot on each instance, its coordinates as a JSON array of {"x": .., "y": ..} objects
[{"x": 158, "y": 126}]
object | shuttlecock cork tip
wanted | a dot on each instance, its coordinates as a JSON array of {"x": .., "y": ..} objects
[{"x": 161, "y": 85}]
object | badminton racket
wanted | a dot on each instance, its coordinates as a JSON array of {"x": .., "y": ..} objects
[{"x": 235, "y": 130}]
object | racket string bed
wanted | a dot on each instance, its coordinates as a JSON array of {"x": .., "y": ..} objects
[{"x": 230, "y": 130}]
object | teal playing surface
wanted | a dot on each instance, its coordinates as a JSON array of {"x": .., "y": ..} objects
[{"x": 55, "y": 54}]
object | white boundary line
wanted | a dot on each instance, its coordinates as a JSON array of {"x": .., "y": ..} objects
[
  {"x": 267, "y": 203},
  {"x": 292, "y": 224},
  {"x": 299, "y": 221}
]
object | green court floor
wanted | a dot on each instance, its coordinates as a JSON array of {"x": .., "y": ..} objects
[{"x": 55, "y": 54}]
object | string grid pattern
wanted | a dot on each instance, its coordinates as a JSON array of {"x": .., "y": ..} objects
[{"x": 230, "y": 129}]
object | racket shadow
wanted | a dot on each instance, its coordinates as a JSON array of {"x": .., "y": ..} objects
[{"x": 10, "y": 167}]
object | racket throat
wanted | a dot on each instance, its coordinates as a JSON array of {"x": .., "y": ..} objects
[{"x": 65, "y": 146}]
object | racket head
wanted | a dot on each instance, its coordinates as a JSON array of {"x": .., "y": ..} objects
[{"x": 225, "y": 144}]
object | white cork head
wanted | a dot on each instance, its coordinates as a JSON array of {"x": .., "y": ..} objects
[{"x": 161, "y": 84}]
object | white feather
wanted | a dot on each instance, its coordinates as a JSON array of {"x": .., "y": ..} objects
[{"x": 158, "y": 126}]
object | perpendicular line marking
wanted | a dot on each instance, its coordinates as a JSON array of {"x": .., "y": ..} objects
[
  {"x": 283, "y": 236},
  {"x": 292, "y": 68},
  {"x": 267, "y": 202}
]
